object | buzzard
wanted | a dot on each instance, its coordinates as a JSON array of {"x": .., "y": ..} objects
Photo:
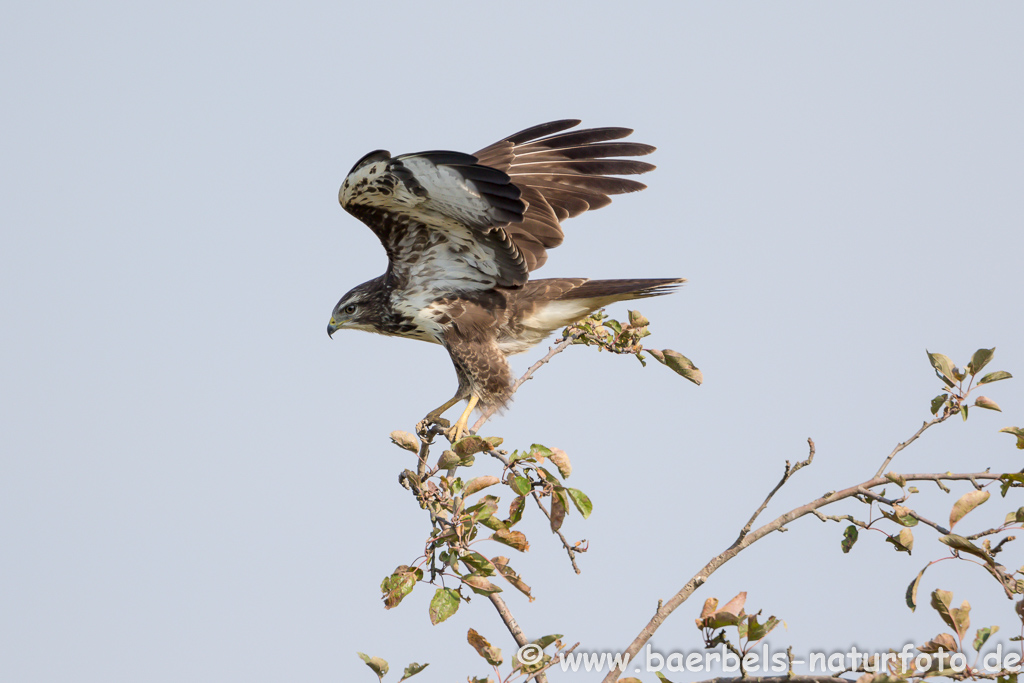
[{"x": 463, "y": 232}]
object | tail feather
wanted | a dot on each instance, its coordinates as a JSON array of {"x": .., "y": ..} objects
[
  {"x": 622, "y": 290},
  {"x": 543, "y": 306}
]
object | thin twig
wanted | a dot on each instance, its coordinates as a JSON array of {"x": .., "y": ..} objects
[
  {"x": 572, "y": 550},
  {"x": 789, "y": 472},
  {"x": 912, "y": 439},
  {"x": 841, "y": 518},
  {"x": 924, "y": 520}
]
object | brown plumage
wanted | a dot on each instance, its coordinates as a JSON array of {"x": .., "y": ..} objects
[{"x": 463, "y": 233}]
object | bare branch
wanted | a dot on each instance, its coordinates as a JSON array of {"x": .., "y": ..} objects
[
  {"x": 912, "y": 439},
  {"x": 841, "y": 518},
  {"x": 787, "y": 473}
]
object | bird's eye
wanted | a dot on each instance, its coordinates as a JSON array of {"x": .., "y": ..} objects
[{"x": 350, "y": 309}]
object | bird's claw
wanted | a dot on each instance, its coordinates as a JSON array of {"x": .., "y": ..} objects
[{"x": 430, "y": 424}]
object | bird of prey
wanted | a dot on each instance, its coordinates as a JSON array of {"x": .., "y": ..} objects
[{"x": 463, "y": 233}]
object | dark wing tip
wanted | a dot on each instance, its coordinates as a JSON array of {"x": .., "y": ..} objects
[
  {"x": 372, "y": 157},
  {"x": 542, "y": 130}
]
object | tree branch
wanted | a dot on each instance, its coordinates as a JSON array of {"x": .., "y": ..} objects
[
  {"x": 513, "y": 627},
  {"x": 778, "y": 524},
  {"x": 780, "y": 679},
  {"x": 912, "y": 439},
  {"x": 789, "y": 472}
]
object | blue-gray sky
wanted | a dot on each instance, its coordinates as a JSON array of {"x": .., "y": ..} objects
[{"x": 197, "y": 484}]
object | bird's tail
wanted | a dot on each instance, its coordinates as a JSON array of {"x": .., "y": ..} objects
[
  {"x": 604, "y": 292},
  {"x": 543, "y": 306}
]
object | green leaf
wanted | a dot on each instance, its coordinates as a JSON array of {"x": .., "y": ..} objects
[
  {"x": 1010, "y": 480},
  {"x": 1014, "y": 517},
  {"x": 937, "y": 403},
  {"x": 963, "y": 545},
  {"x": 1017, "y": 432},
  {"x": 444, "y": 604},
  {"x": 903, "y": 542},
  {"x": 756, "y": 631},
  {"x": 637, "y": 320},
  {"x": 515, "y": 510},
  {"x": 484, "y": 509},
  {"x": 678, "y": 363},
  {"x": 550, "y": 478},
  {"x": 544, "y": 641},
  {"x": 943, "y": 367},
  {"x": 399, "y": 585},
  {"x": 912, "y": 589},
  {"x": 379, "y": 666},
  {"x": 982, "y": 635},
  {"x": 979, "y": 360},
  {"x": 580, "y": 500},
  {"x": 448, "y": 460},
  {"x": 967, "y": 502},
  {"x": 963, "y": 411},
  {"x": 987, "y": 403},
  {"x": 477, "y": 563},
  {"x": 412, "y": 670},
  {"x": 901, "y": 515},
  {"x": 849, "y": 538},
  {"x": 490, "y": 653},
  {"x": 520, "y": 485},
  {"x": 994, "y": 377},
  {"x": 961, "y": 618},
  {"x": 539, "y": 450},
  {"x": 940, "y": 603}
]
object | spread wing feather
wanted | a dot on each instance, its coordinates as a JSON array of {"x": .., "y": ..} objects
[
  {"x": 458, "y": 222},
  {"x": 561, "y": 175}
]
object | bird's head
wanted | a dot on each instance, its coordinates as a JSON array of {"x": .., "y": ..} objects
[{"x": 357, "y": 310}]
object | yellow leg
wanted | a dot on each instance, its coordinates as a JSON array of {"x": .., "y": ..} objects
[
  {"x": 435, "y": 415},
  {"x": 460, "y": 426}
]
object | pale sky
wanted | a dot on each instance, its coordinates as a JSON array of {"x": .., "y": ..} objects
[{"x": 196, "y": 484}]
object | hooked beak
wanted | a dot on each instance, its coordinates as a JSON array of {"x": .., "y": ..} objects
[{"x": 332, "y": 327}]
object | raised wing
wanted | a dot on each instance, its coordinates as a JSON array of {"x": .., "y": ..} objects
[
  {"x": 440, "y": 216},
  {"x": 463, "y": 222},
  {"x": 561, "y": 175}
]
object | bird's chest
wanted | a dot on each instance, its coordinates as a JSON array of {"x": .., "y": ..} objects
[{"x": 417, "y": 315}]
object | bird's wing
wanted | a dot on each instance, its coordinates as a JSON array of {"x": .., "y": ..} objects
[
  {"x": 466, "y": 222},
  {"x": 441, "y": 217},
  {"x": 562, "y": 174}
]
